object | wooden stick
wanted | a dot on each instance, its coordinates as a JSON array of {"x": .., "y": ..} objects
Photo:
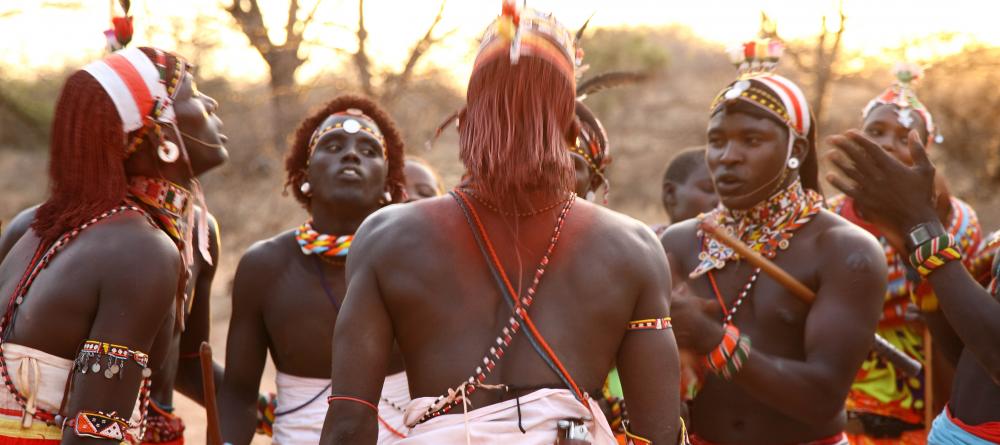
[
  {"x": 882, "y": 347},
  {"x": 208, "y": 389}
]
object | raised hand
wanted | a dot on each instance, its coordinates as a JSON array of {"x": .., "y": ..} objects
[{"x": 884, "y": 188}]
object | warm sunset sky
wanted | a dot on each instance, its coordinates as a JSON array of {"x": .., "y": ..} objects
[{"x": 37, "y": 35}]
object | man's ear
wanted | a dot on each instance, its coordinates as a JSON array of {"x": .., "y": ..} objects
[
  {"x": 669, "y": 195},
  {"x": 800, "y": 149}
]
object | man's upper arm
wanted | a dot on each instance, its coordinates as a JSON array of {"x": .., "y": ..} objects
[
  {"x": 843, "y": 318},
  {"x": 648, "y": 361},
  {"x": 246, "y": 351},
  {"x": 199, "y": 322},
  {"x": 136, "y": 295}
]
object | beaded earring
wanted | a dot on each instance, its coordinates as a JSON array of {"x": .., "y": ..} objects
[{"x": 793, "y": 163}]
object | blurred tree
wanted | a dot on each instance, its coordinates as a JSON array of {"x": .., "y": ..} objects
[
  {"x": 284, "y": 59},
  {"x": 818, "y": 61}
]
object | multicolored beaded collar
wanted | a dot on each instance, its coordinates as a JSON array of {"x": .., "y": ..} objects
[
  {"x": 170, "y": 205},
  {"x": 326, "y": 246},
  {"x": 766, "y": 227}
]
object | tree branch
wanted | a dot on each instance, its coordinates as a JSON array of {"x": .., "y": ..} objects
[
  {"x": 400, "y": 81},
  {"x": 252, "y": 24},
  {"x": 361, "y": 57},
  {"x": 293, "y": 9}
]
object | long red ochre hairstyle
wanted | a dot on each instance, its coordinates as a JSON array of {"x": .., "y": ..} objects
[
  {"x": 515, "y": 127},
  {"x": 298, "y": 155},
  {"x": 87, "y": 154}
]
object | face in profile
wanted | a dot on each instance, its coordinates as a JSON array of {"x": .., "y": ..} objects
[
  {"x": 884, "y": 127},
  {"x": 348, "y": 165},
  {"x": 197, "y": 120},
  {"x": 421, "y": 182},
  {"x": 693, "y": 196},
  {"x": 746, "y": 156}
]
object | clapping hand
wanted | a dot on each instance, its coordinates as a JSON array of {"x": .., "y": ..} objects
[{"x": 886, "y": 190}]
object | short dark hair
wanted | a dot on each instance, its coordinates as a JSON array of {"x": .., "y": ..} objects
[{"x": 682, "y": 164}]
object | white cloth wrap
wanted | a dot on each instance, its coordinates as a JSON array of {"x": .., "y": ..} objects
[
  {"x": 305, "y": 425},
  {"x": 497, "y": 424},
  {"x": 50, "y": 384}
]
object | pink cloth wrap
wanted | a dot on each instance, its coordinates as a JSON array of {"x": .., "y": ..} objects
[{"x": 497, "y": 424}]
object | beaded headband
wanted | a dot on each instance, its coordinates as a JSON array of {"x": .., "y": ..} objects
[
  {"x": 350, "y": 126},
  {"x": 903, "y": 95},
  {"x": 758, "y": 85},
  {"x": 525, "y": 31}
]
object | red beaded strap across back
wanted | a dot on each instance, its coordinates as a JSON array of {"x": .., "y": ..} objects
[
  {"x": 521, "y": 305},
  {"x": 40, "y": 260},
  {"x": 524, "y": 302}
]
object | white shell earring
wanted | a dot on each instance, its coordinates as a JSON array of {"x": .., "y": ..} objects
[
  {"x": 793, "y": 163},
  {"x": 387, "y": 197},
  {"x": 168, "y": 152},
  {"x": 591, "y": 195},
  {"x": 305, "y": 188}
]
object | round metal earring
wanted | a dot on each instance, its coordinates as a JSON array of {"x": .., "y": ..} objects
[
  {"x": 305, "y": 188},
  {"x": 793, "y": 163},
  {"x": 168, "y": 152}
]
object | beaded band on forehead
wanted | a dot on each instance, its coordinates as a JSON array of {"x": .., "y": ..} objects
[{"x": 354, "y": 123}]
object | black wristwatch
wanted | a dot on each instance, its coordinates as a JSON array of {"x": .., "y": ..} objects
[{"x": 921, "y": 233}]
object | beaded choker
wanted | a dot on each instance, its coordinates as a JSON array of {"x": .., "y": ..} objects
[
  {"x": 325, "y": 246},
  {"x": 767, "y": 227},
  {"x": 170, "y": 205}
]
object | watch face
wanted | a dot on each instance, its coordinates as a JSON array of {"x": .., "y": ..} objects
[{"x": 919, "y": 234}]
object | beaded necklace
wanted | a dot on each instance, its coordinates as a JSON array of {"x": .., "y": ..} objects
[
  {"x": 170, "y": 205},
  {"x": 767, "y": 227},
  {"x": 490, "y": 206},
  {"x": 325, "y": 246},
  {"x": 40, "y": 260},
  {"x": 458, "y": 395}
]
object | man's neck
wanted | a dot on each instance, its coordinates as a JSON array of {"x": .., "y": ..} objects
[{"x": 340, "y": 219}]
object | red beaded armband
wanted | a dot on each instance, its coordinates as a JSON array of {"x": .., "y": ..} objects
[
  {"x": 98, "y": 425},
  {"x": 656, "y": 324},
  {"x": 727, "y": 359},
  {"x": 115, "y": 357}
]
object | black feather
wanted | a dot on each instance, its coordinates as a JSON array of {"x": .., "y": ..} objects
[
  {"x": 608, "y": 80},
  {"x": 126, "y": 4},
  {"x": 579, "y": 34}
]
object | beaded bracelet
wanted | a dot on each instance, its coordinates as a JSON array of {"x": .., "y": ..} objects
[
  {"x": 98, "y": 425},
  {"x": 934, "y": 253},
  {"x": 727, "y": 359}
]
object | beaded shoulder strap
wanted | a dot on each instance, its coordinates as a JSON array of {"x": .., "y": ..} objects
[{"x": 519, "y": 316}]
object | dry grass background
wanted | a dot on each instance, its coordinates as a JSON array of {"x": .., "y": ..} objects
[{"x": 647, "y": 125}]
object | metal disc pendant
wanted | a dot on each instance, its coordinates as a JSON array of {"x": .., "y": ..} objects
[
  {"x": 352, "y": 126},
  {"x": 96, "y": 367},
  {"x": 115, "y": 368},
  {"x": 108, "y": 374},
  {"x": 146, "y": 372}
]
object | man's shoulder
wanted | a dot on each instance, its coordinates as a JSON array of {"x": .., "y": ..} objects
[
  {"x": 270, "y": 252},
  {"x": 835, "y": 235},
  {"x": 130, "y": 248}
]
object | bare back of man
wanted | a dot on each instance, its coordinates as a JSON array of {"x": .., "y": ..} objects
[
  {"x": 446, "y": 317},
  {"x": 815, "y": 344}
]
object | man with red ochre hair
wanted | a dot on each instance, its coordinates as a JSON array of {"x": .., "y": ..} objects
[
  {"x": 103, "y": 263},
  {"x": 504, "y": 322},
  {"x": 345, "y": 162}
]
